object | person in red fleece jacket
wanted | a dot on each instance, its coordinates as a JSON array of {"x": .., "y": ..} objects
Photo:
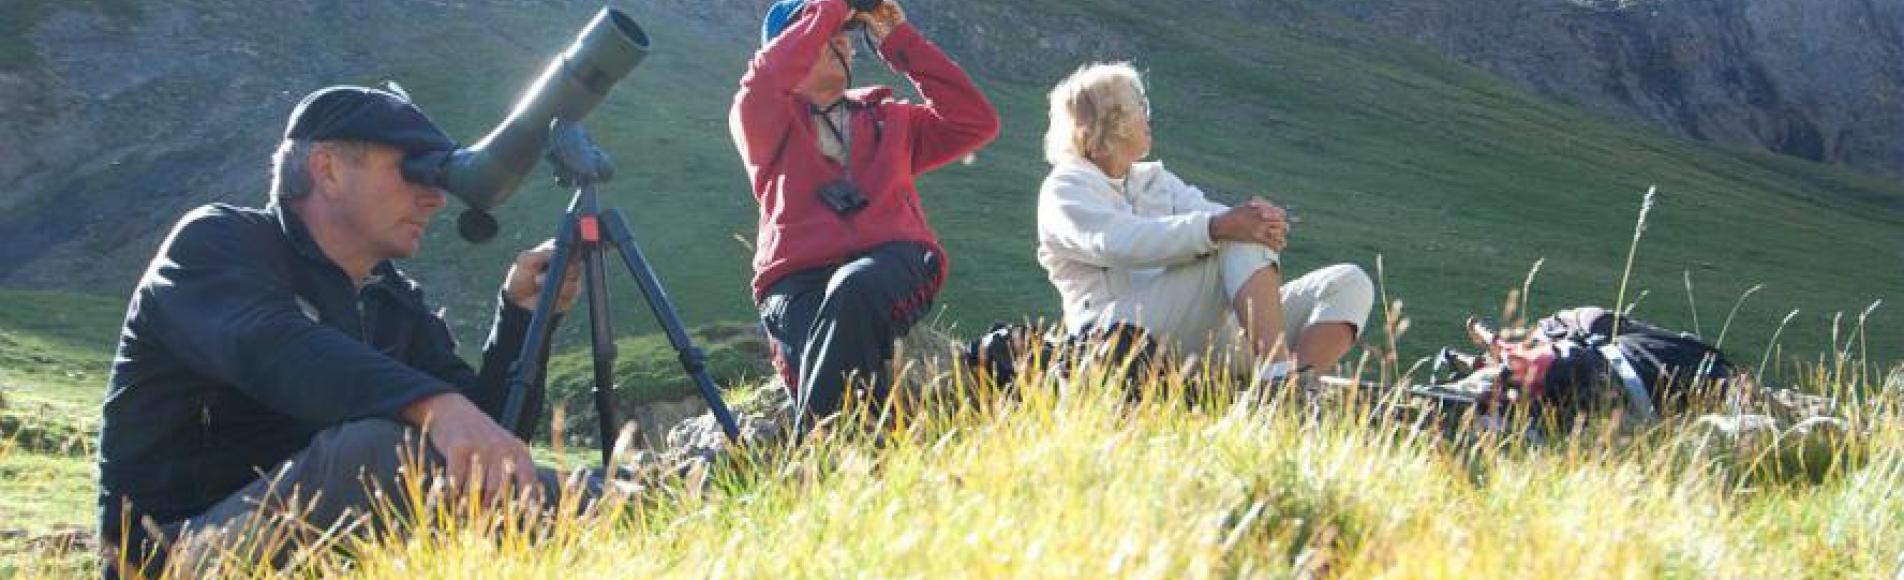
[{"x": 845, "y": 262}]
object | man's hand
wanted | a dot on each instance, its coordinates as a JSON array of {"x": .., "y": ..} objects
[
  {"x": 1255, "y": 221},
  {"x": 468, "y": 439},
  {"x": 526, "y": 278},
  {"x": 883, "y": 20}
]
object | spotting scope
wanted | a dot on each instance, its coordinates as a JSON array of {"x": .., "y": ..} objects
[{"x": 485, "y": 174}]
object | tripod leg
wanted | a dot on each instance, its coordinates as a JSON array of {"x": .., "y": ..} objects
[
  {"x": 595, "y": 282},
  {"x": 692, "y": 359},
  {"x": 526, "y": 371}
]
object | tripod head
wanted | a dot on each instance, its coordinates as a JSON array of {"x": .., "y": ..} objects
[{"x": 578, "y": 162}]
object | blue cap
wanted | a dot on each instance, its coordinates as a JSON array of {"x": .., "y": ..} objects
[
  {"x": 779, "y": 17},
  {"x": 365, "y": 114}
]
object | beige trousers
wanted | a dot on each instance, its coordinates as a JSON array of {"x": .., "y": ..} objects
[{"x": 1188, "y": 307}]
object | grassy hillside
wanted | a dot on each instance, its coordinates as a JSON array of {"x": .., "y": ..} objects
[
  {"x": 1458, "y": 181},
  {"x": 54, "y": 351},
  {"x": 54, "y": 355}
]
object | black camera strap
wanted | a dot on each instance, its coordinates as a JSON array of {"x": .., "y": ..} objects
[
  {"x": 826, "y": 113},
  {"x": 826, "y": 119}
]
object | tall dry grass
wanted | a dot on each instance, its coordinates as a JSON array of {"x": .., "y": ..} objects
[
  {"x": 1066, "y": 475},
  {"x": 1073, "y": 479}
]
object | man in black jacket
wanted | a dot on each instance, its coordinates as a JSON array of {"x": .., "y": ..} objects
[{"x": 272, "y": 353}]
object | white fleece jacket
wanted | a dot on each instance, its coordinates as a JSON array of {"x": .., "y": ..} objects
[{"x": 1092, "y": 239}]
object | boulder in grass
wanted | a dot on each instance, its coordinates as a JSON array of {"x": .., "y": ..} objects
[
  {"x": 1793, "y": 407},
  {"x": 1737, "y": 430},
  {"x": 64, "y": 540},
  {"x": 657, "y": 419},
  {"x": 1820, "y": 427},
  {"x": 1764, "y": 429},
  {"x": 764, "y": 417},
  {"x": 1768, "y": 450},
  {"x": 700, "y": 439}
]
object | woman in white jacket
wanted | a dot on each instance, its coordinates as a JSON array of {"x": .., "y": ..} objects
[{"x": 1129, "y": 242}]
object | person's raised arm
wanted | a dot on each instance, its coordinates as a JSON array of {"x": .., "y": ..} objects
[
  {"x": 955, "y": 118},
  {"x": 761, "y": 112}
]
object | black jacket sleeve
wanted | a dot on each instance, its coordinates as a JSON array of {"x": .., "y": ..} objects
[
  {"x": 221, "y": 300},
  {"x": 488, "y": 389}
]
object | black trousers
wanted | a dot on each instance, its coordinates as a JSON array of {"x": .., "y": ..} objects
[
  {"x": 337, "y": 481},
  {"x": 835, "y": 325}
]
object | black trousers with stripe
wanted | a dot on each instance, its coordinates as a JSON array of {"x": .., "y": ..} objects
[{"x": 834, "y": 326}]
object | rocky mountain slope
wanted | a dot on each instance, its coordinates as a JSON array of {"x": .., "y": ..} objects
[
  {"x": 1816, "y": 79},
  {"x": 118, "y": 115}
]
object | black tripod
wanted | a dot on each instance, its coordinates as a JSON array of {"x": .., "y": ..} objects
[{"x": 589, "y": 230}]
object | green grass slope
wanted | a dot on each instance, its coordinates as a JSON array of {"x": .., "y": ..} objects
[
  {"x": 1459, "y": 181},
  {"x": 1073, "y": 480},
  {"x": 54, "y": 351}
]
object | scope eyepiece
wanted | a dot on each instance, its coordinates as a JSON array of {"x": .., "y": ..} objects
[{"x": 428, "y": 168}]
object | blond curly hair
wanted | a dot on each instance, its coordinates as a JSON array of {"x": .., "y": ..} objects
[{"x": 1096, "y": 110}]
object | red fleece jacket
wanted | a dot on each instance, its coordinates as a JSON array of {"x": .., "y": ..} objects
[{"x": 893, "y": 141}]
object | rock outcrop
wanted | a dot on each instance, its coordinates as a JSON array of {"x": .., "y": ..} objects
[{"x": 1816, "y": 79}]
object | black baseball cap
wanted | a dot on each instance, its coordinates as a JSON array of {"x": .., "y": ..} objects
[{"x": 353, "y": 113}]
